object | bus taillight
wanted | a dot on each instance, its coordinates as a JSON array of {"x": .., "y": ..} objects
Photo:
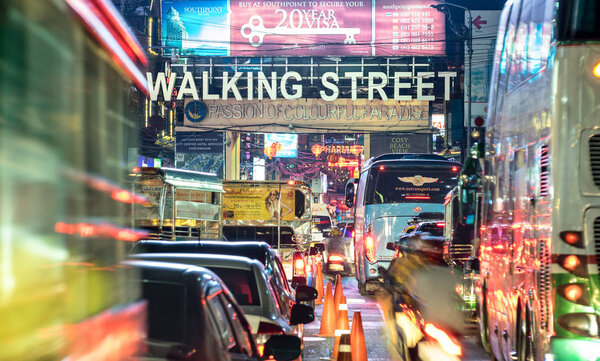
[
  {"x": 575, "y": 292},
  {"x": 370, "y": 248},
  {"x": 572, "y": 237},
  {"x": 573, "y": 264}
]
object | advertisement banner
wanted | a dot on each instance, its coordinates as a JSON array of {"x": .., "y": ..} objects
[
  {"x": 341, "y": 115},
  {"x": 258, "y": 204},
  {"x": 199, "y": 151},
  {"x": 196, "y": 27},
  {"x": 409, "y": 27},
  {"x": 251, "y": 28},
  {"x": 289, "y": 144},
  {"x": 305, "y": 28},
  {"x": 401, "y": 143}
]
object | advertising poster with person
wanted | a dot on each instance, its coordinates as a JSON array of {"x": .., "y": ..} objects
[{"x": 258, "y": 204}]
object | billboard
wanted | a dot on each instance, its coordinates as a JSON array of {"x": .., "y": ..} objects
[
  {"x": 258, "y": 204},
  {"x": 304, "y": 28},
  {"x": 199, "y": 151},
  {"x": 409, "y": 27},
  {"x": 289, "y": 144},
  {"x": 399, "y": 143},
  {"x": 196, "y": 27}
]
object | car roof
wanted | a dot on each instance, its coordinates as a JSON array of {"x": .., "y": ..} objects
[
  {"x": 257, "y": 250},
  {"x": 171, "y": 272},
  {"x": 204, "y": 260}
]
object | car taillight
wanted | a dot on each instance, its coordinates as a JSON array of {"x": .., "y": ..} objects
[
  {"x": 299, "y": 265},
  {"x": 575, "y": 292},
  {"x": 443, "y": 339},
  {"x": 352, "y": 234},
  {"x": 336, "y": 259},
  {"x": 265, "y": 331},
  {"x": 440, "y": 224},
  {"x": 370, "y": 248}
]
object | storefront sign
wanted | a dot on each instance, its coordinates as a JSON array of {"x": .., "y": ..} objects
[{"x": 402, "y": 143}]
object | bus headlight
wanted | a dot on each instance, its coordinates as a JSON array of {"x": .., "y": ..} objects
[{"x": 581, "y": 324}]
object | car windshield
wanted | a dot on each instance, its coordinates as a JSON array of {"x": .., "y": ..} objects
[
  {"x": 241, "y": 283},
  {"x": 266, "y": 234}
]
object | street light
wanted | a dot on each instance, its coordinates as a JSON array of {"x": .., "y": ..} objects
[{"x": 460, "y": 31}]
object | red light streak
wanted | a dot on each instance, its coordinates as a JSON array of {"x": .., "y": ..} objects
[{"x": 444, "y": 340}]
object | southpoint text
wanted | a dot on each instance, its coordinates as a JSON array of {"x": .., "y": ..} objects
[{"x": 290, "y": 87}]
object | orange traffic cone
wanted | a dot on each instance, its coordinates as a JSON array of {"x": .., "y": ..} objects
[
  {"x": 345, "y": 352},
  {"x": 319, "y": 284},
  {"x": 329, "y": 315},
  {"x": 342, "y": 326},
  {"x": 339, "y": 293},
  {"x": 357, "y": 339}
]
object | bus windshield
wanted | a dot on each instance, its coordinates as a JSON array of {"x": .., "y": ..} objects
[{"x": 408, "y": 185}]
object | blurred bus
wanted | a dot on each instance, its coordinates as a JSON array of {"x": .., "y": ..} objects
[
  {"x": 70, "y": 73},
  {"x": 179, "y": 204},
  {"x": 392, "y": 190},
  {"x": 540, "y": 291}
]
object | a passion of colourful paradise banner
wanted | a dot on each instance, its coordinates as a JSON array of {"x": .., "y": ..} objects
[{"x": 303, "y": 28}]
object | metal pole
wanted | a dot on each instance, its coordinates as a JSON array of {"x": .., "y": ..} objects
[{"x": 469, "y": 85}]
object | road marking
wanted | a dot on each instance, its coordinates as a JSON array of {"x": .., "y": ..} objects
[
  {"x": 355, "y": 300},
  {"x": 311, "y": 338}
]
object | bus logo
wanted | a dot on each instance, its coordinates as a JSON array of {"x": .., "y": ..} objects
[{"x": 418, "y": 180}]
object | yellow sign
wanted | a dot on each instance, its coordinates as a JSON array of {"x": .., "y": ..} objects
[{"x": 258, "y": 204}]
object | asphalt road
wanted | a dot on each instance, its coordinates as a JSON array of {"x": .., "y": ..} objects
[{"x": 376, "y": 335}]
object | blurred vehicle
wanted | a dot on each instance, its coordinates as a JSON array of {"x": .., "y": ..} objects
[
  {"x": 391, "y": 190},
  {"x": 322, "y": 223},
  {"x": 420, "y": 305},
  {"x": 249, "y": 283},
  {"x": 72, "y": 78},
  {"x": 180, "y": 204},
  {"x": 275, "y": 212},
  {"x": 339, "y": 254},
  {"x": 193, "y": 316},
  {"x": 260, "y": 251}
]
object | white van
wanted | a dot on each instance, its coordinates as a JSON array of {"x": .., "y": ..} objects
[{"x": 321, "y": 222}]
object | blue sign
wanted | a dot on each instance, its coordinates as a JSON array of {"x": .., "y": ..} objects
[
  {"x": 196, "y": 27},
  {"x": 289, "y": 144},
  {"x": 195, "y": 111}
]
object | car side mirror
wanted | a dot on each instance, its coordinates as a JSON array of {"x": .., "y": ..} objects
[
  {"x": 301, "y": 314},
  {"x": 306, "y": 293},
  {"x": 282, "y": 347},
  {"x": 390, "y": 246}
]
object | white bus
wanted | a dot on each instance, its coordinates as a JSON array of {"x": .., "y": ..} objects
[{"x": 539, "y": 292}]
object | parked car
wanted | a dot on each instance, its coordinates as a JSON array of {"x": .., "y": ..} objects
[
  {"x": 339, "y": 255},
  {"x": 249, "y": 283},
  {"x": 260, "y": 251},
  {"x": 191, "y": 315}
]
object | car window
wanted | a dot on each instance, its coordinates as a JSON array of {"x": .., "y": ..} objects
[
  {"x": 276, "y": 295},
  {"x": 432, "y": 228},
  {"x": 241, "y": 332},
  {"x": 281, "y": 272},
  {"x": 166, "y": 310},
  {"x": 221, "y": 317},
  {"x": 241, "y": 283}
]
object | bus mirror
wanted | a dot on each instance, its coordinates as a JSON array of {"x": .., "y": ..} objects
[{"x": 349, "y": 194}]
